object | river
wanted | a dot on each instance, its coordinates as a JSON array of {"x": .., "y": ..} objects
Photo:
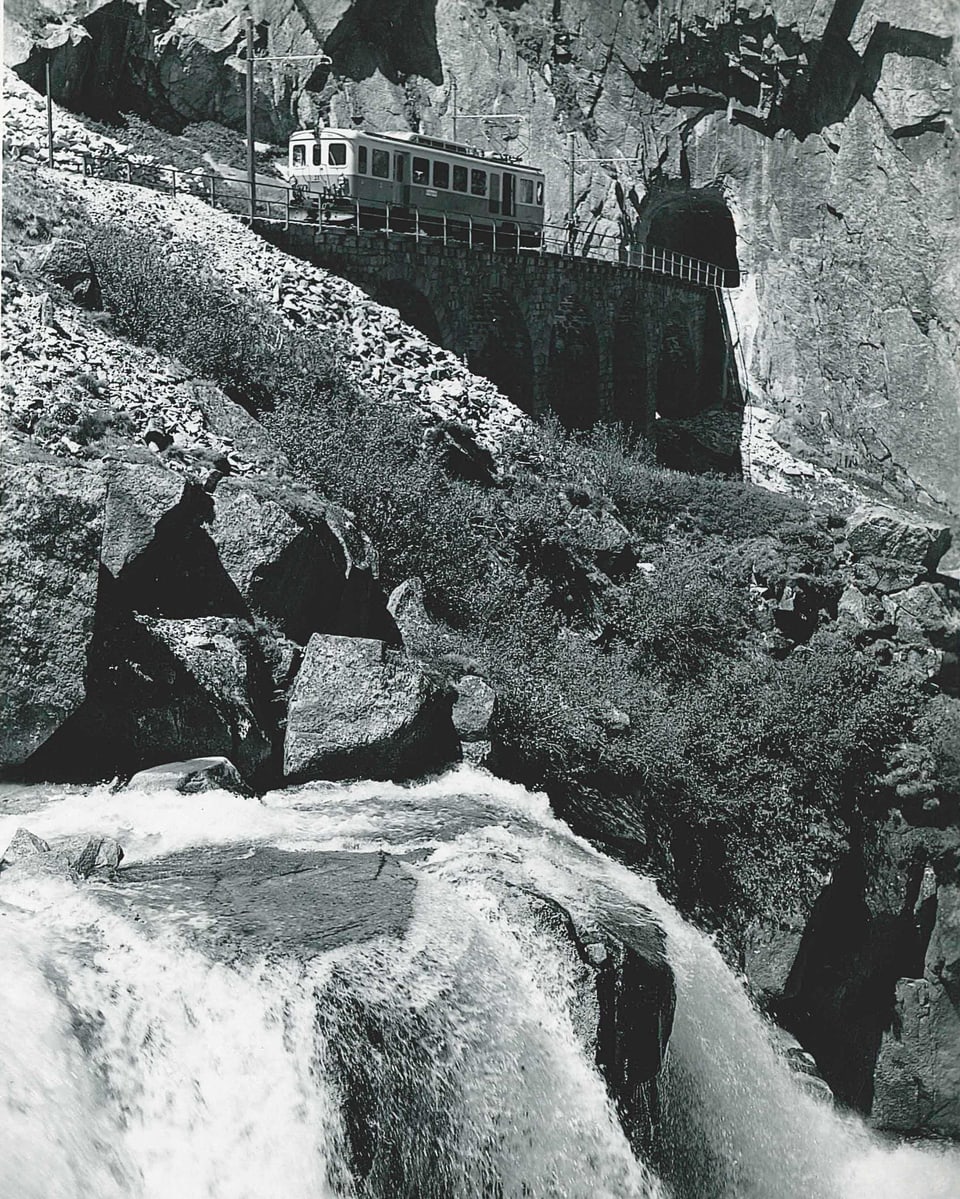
[{"x": 139, "y": 1061}]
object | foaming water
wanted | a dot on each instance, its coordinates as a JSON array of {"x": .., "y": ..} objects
[{"x": 135, "y": 1065}]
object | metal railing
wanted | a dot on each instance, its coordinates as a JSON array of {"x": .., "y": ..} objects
[{"x": 285, "y": 204}]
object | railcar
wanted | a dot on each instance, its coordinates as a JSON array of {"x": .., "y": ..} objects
[{"x": 407, "y": 182}]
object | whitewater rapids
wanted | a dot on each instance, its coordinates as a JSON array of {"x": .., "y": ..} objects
[{"x": 135, "y": 1064}]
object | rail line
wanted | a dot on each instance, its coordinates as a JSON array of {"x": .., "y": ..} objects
[{"x": 278, "y": 203}]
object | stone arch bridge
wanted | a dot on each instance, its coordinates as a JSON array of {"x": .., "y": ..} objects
[{"x": 585, "y": 338}]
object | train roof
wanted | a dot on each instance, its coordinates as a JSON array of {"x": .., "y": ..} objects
[{"x": 419, "y": 139}]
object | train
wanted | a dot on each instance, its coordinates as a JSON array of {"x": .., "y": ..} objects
[{"x": 408, "y": 182}]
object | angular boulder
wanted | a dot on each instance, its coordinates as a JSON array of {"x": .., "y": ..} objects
[
  {"x": 298, "y": 561},
  {"x": 473, "y": 707},
  {"x": 139, "y": 495},
  {"x": 406, "y": 606},
  {"x": 361, "y": 709},
  {"x": 771, "y": 950},
  {"x": 68, "y": 263},
  {"x": 23, "y": 846},
  {"x": 51, "y": 514},
  {"x": 886, "y": 533},
  {"x": 94, "y": 856},
  {"x": 168, "y": 689},
  {"x": 189, "y": 777}
]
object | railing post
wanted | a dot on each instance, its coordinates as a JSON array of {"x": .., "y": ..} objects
[
  {"x": 173, "y": 181},
  {"x": 387, "y": 225},
  {"x": 357, "y": 214},
  {"x": 494, "y": 237},
  {"x": 470, "y": 232},
  {"x": 416, "y": 225},
  {"x": 213, "y": 190},
  {"x": 444, "y": 228}
]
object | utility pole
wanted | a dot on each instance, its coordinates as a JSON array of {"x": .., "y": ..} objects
[
  {"x": 573, "y": 166},
  {"x": 49, "y": 112},
  {"x": 251, "y": 155},
  {"x": 453, "y": 105}
]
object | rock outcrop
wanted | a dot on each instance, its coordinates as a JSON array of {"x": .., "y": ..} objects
[
  {"x": 260, "y": 899},
  {"x": 917, "y": 1075},
  {"x": 359, "y": 709}
]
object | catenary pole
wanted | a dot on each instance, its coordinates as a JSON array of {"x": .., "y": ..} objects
[
  {"x": 49, "y": 111},
  {"x": 251, "y": 155}
]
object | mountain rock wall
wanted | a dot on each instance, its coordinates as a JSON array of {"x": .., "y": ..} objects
[{"x": 826, "y": 131}]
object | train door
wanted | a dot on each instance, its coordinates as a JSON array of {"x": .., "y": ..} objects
[
  {"x": 508, "y": 194},
  {"x": 401, "y": 178}
]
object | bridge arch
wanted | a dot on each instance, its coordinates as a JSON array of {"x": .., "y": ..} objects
[
  {"x": 499, "y": 347},
  {"x": 413, "y": 305},
  {"x": 573, "y": 367},
  {"x": 631, "y": 401}
]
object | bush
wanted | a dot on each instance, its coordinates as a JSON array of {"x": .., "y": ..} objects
[{"x": 646, "y": 709}]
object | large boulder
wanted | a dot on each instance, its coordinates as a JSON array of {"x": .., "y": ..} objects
[
  {"x": 189, "y": 777},
  {"x": 139, "y": 496},
  {"x": 359, "y": 708},
  {"x": 298, "y": 560},
  {"x": 771, "y": 950},
  {"x": 68, "y": 264},
  {"x": 168, "y": 689},
  {"x": 886, "y": 533},
  {"x": 51, "y": 514}
]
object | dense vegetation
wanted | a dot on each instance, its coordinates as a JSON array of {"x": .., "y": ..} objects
[{"x": 643, "y": 675}]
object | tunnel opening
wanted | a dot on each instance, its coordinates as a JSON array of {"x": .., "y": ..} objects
[
  {"x": 695, "y": 222},
  {"x": 573, "y": 371},
  {"x": 697, "y": 401},
  {"x": 413, "y": 307},
  {"x": 499, "y": 347}
]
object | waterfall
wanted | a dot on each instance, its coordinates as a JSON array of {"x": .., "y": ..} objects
[{"x": 442, "y": 1063}]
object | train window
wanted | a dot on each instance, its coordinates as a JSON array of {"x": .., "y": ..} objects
[
  {"x": 494, "y": 187},
  {"x": 441, "y": 174},
  {"x": 478, "y": 183},
  {"x": 526, "y": 191},
  {"x": 381, "y": 164},
  {"x": 337, "y": 154},
  {"x": 299, "y": 156},
  {"x": 421, "y": 171},
  {"x": 459, "y": 179},
  {"x": 398, "y": 167},
  {"x": 317, "y": 150},
  {"x": 362, "y": 159},
  {"x": 540, "y": 192}
]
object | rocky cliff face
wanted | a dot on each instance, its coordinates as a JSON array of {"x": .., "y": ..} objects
[{"x": 824, "y": 131}]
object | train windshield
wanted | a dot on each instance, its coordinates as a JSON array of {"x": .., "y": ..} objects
[
  {"x": 337, "y": 154},
  {"x": 299, "y": 156}
]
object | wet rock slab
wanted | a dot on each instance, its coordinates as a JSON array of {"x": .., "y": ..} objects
[{"x": 245, "y": 900}]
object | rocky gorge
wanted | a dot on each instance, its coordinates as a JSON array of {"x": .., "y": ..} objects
[{"x": 179, "y": 586}]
